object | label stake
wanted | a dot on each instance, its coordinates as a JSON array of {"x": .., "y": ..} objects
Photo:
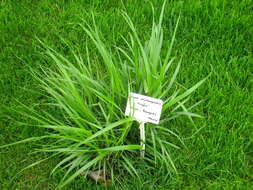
[{"x": 142, "y": 137}]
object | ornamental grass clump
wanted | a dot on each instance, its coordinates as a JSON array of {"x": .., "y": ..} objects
[{"x": 90, "y": 131}]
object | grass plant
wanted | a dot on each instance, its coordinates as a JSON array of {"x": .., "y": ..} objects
[
  {"x": 91, "y": 131},
  {"x": 217, "y": 152}
]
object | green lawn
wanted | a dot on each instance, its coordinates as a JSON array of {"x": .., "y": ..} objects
[{"x": 213, "y": 36}]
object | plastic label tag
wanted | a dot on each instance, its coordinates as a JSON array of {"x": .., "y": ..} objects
[{"x": 144, "y": 108}]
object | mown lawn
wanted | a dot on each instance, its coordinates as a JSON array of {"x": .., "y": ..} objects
[{"x": 213, "y": 37}]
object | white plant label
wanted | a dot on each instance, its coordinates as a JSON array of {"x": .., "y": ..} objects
[{"x": 144, "y": 108}]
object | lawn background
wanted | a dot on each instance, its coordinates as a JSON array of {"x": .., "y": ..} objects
[{"x": 213, "y": 36}]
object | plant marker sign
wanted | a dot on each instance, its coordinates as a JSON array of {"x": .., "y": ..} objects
[{"x": 144, "y": 109}]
